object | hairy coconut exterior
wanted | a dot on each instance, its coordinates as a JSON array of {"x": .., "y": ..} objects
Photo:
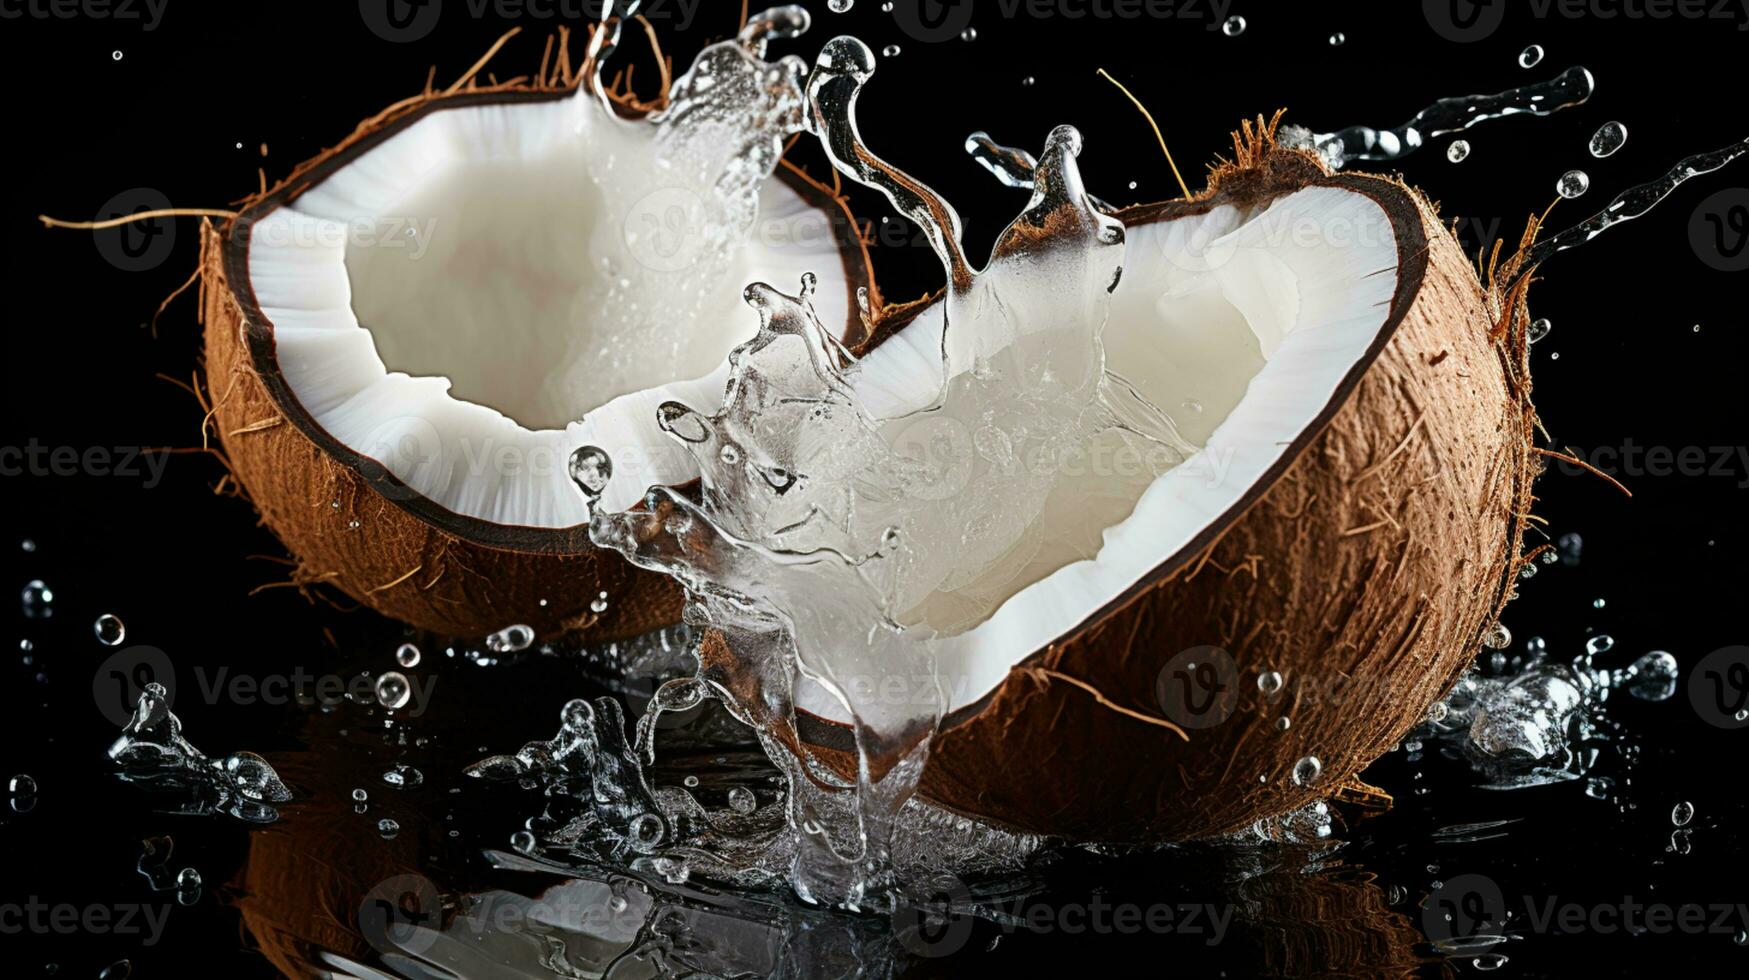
[
  {"x": 352, "y": 525},
  {"x": 1364, "y": 567}
]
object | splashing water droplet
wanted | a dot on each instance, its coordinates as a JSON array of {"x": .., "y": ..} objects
[
  {"x": 1234, "y": 26},
  {"x": 403, "y": 776},
  {"x": 599, "y": 603},
  {"x": 1283, "y": 723},
  {"x": 969, "y": 34},
  {"x": 360, "y": 795},
  {"x": 840, "y": 6},
  {"x": 388, "y": 828},
  {"x": 38, "y": 599},
  {"x": 1307, "y": 770},
  {"x": 1338, "y": 39},
  {"x": 1608, "y": 139},
  {"x": 22, "y": 785},
  {"x": 1458, "y": 151},
  {"x": 590, "y": 469},
  {"x": 188, "y": 879},
  {"x": 1573, "y": 183},
  {"x": 741, "y": 800},
  {"x": 392, "y": 690},
  {"x": 890, "y": 51},
  {"x": 1682, "y": 813},
  {"x": 1269, "y": 682},
  {"x": 1530, "y": 57},
  {"x": 522, "y": 841},
  {"x": 647, "y": 830},
  {"x": 510, "y": 639},
  {"x": 109, "y": 630},
  {"x": 1498, "y": 637},
  {"x": 407, "y": 655},
  {"x": 1539, "y": 328}
]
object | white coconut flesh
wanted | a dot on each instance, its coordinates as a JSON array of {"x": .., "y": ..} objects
[
  {"x": 497, "y": 284},
  {"x": 1243, "y": 326}
]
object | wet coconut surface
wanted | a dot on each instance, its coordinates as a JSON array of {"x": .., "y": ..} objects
[{"x": 1574, "y": 863}]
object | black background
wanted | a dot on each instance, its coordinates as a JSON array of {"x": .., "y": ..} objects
[{"x": 189, "y": 104}]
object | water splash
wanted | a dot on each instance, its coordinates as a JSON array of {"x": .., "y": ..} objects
[
  {"x": 816, "y": 542},
  {"x": 153, "y": 752},
  {"x": 1570, "y": 88},
  {"x": 1631, "y": 203}
]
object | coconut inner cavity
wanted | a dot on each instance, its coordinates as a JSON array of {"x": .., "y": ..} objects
[{"x": 467, "y": 299}]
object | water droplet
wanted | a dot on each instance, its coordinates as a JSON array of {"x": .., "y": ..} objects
[
  {"x": 1338, "y": 39},
  {"x": 1539, "y": 328},
  {"x": 599, "y": 603},
  {"x": 1234, "y": 26},
  {"x": 1573, "y": 183},
  {"x": 115, "y": 55},
  {"x": 887, "y": 8},
  {"x": 28, "y": 545},
  {"x": 1608, "y": 139},
  {"x": 691, "y": 782},
  {"x": 1458, "y": 151},
  {"x": 403, "y": 776},
  {"x": 647, "y": 830},
  {"x": 1307, "y": 770},
  {"x": 969, "y": 34},
  {"x": 360, "y": 795},
  {"x": 1132, "y": 185},
  {"x": 1653, "y": 676},
  {"x": 1437, "y": 712},
  {"x": 1283, "y": 723},
  {"x": 22, "y": 785},
  {"x": 741, "y": 800},
  {"x": 39, "y": 599},
  {"x": 109, "y": 630},
  {"x": 1498, "y": 637},
  {"x": 577, "y": 715},
  {"x": 730, "y": 454},
  {"x": 1490, "y": 961},
  {"x": 393, "y": 691},
  {"x": 1598, "y": 603},
  {"x": 407, "y": 655},
  {"x": 890, "y": 51},
  {"x": 510, "y": 639},
  {"x": 187, "y": 879},
  {"x": 1028, "y": 82},
  {"x": 119, "y": 970},
  {"x": 388, "y": 828},
  {"x": 840, "y": 6},
  {"x": 1682, "y": 813},
  {"x": 590, "y": 470},
  {"x": 522, "y": 841},
  {"x": 1530, "y": 57},
  {"x": 1598, "y": 787},
  {"x": 1269, "y": 682}
]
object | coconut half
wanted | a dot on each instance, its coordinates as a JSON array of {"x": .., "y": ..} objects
[
  {"x": 1352, "y": 523},
  {"x": 408, "y": 339}
]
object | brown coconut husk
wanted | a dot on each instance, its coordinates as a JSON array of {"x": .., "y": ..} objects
[
  {"x": 1365, "y": 567},
  {"x": 351, "y": 525}
]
